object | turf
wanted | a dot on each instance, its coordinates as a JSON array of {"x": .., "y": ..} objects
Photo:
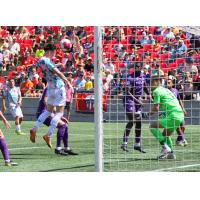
[{"x": 39, "y": 158}]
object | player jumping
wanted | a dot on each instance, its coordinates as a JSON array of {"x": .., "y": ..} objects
[
  {"x": 3, "y": 145},
  {"x": 56, "y": 94},
  {"x": 62, "y": 134},
  {"x": 165, "y": 101},
  {"x": 180, "y": 141},
  {"x": 135, "y": 85},
  {"x": 13, "y": 96}
]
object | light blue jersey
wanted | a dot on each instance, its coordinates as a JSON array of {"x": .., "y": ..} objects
[
  {"x": 12, "y": 95},
  {"x": 47, "y": 66}
]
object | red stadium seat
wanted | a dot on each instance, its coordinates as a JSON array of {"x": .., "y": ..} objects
[
  {"x": 172, "y": 65},
  {"x": 164, "y": 56},
  {"x": 147, "y": 47},
  {"x": 180, "y": 60}
]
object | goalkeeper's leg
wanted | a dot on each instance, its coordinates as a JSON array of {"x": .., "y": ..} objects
[{"x": 127, "y": 131}]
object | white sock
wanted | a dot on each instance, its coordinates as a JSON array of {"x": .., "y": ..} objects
[
  {"x": 18, "y": 127},
  {"x": 137, "y": 144},
  {"x": 67, "y": 148},
  {"x": 167, "y": 147},
  {"x": 41, "y": 119},
  {"x": 7, "y": 161},
  {"x": 58, "y": 148}
]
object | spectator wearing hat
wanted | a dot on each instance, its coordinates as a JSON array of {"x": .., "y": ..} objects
[
  {"x": 181, "y": 49},
  {"x": 89, "y": 67},
  {"x": 151, "y": 40},
  {"x": 80, "y": 82},
  {"x": 144, "y": 39},
  {"x": 167, "y": 33},
  {"x": 109, "y": 66},
  {"x": 14, "y": 47},
  {"x": 190, "y": 67}
]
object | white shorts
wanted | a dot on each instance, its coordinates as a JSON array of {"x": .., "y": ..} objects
[
  {"x": 56, "y": 97},
  {"x": 16, "y": 111}
]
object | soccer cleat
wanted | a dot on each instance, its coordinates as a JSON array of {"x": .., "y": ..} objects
[
  {"x": 47, "y": 140},
  {"x": 164, "y": 152},
  {"x": 19, "y": 133},
  {"x": 185, "y": 142},
  {"x": 180, "y": 143},
  {"x": 171, "y": 156},
  {"x": 61, "y": 152},
  {"x": 32, "y": 135},
  {"x": 139, "y": 148},
  {"x": 70, "y": 152},
  {"x": 10, "y": 163},
  {"x": 124, "y": 147}
]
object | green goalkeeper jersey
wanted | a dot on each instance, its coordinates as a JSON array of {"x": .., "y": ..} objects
[{"x": 168, "y": 102}]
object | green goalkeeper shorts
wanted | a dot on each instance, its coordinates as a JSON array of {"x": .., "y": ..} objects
[{"x": 171, "y": 124}]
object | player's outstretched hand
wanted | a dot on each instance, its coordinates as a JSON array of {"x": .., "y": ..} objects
[{"x": 7, "y": 125}]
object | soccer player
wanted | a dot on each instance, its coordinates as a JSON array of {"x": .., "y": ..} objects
[
  {"x": 62, "y": 134},
  {"x": 135, "y": 86},
  {"x": 55, "y": 91},
  {"x": 165, "y": 101},
  {"x": 3, "y": 145},
  {"x": 180, "y": 141},
  {"x": 13, "y": 96}
]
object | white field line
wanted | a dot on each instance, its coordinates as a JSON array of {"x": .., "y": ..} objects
[
  {"x": 178, "y": 167},
  {"x": 22, "y": 148}
]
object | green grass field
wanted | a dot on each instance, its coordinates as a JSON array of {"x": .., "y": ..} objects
[{"x": 39, "y": 158}]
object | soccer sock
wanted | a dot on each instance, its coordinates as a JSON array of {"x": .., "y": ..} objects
[
  {"x": 169, "y": 142},
  {"x": 60, "y": 134},
  {"x": 138, "y": 131},
  {"x": 18, "y": 127},
  {"x": 54, "y": 123},
  {"x": 4, "y": 149},
  {"x": 158, "y": 135},
  {"x": 41, "y": 119},
  {"x": 180, "y": 134},
  {"x": 127, "y": 132},
  {"x": 65, "y": 138}
]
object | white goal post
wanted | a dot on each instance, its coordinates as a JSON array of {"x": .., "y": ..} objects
[{"x": 98, "y": 88}]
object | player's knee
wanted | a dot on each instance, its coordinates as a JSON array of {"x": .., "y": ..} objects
[{"x": 56, "y": 119}]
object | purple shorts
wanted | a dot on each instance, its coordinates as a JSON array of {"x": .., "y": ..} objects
[
  {"x": 47, "y": 122},
  {"x": 131, "y": 106}
]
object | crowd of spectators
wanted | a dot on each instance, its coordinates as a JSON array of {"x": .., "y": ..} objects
[{"x": 167, "y": 51}]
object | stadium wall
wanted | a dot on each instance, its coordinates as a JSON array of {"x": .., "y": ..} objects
[{"x": 115, "y": 112}]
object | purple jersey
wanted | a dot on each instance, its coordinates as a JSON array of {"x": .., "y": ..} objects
[
  {"x": 176, "y": 93},
  {"x": 136, "y": 85},
  {"x": 41, "y": 106}
]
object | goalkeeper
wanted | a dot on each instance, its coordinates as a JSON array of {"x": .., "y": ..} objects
[{"x": 165, "y": 101}]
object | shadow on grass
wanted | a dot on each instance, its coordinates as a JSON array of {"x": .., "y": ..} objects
[{"x": 68, "y": 168}]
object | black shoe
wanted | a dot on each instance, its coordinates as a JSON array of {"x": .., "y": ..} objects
[
  {"x": 10, "y": 163},
  {"x": 70, "y": 152},
  {"x": 139, "y": 148},
  {"x": 61, "y": 152},
  {"x": 124, "y": 147}
]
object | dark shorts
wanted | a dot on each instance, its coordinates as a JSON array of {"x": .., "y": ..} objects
[{"x": 68, "y": 106}]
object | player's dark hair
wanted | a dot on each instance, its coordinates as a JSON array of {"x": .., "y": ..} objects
[{"x": 49, "y": 47}]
